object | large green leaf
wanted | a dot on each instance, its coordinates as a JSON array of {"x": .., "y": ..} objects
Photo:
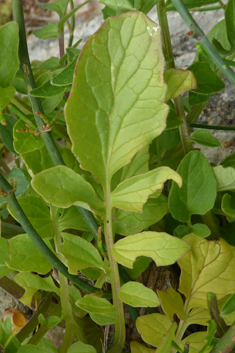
[
  {"x": 25, "y": 256},
  {"x": 133, "y": 193},
  {"x": 225, "y": 178},
  {"x": 129, "y": 223},
  {"x": 116, "y": 105},
  {"x": 153, "y": 328},
  {"x": 163, "y": 248},
  {"x": 136, "y": 294},
  {"x": 207, "y": 267},
  {"x": 9, "y": 61},
  {"x": 38, "y": 214},
  {"x": 198, "y": 193},
  {"x": 62, "y": 187},
  {"x": 230, "y": 21},
  {"x": 80, "y": 253},
  {"x": 32, "y": 283}
]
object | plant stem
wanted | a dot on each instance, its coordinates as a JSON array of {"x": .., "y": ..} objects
[
  {"x": 212, "y": 127},
  {"x": 227, "y": 342},
  {"x": 35, "y": 237},
  {"x": 119, "y": 339},
  {"x": 206, "y": 45},
  {"x": 72, "y": 25},
  {"x": 170, "y": 64},
  {"x": 67, "y": 312}
]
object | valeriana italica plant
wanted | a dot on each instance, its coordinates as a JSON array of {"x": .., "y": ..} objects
[{"x": 122, "y": 191}]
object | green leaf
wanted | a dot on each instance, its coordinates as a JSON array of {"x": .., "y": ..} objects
[
  {"x": 48, "y": 90},
  {"x": 73, "y": 53},
  {"x": 50, "y": 30},
  {"x": 106, "y": 128},
  {"x": 9, "y": 61},
  {"x": 178, "y": 82},
  {"x": 37, "y": 160},
  {"x": 207, "y": 80},
  {"x": 6, "y": 132},
  {"x": 25, "y": 141},
  {"x": 62, "y": 187},
  {"x": 46, "y": 344},
  {"x": 203, "y": 137},
  {"x": 140, "y": 265},
  {"x": 132, "y": 193},
  {"x": 70, "y": 14},
  {"x": 80, "y": 254},
  {"x": 53, "y": 321},
  {"x": 22, "y": 183},
  {"x": 165, "y": 345},
  {"x": 137, "y": 347},
  {"x": 171, "y": 303},
  {"x": 129, "y": 223},
  {"x": 227, "y": 206},
  {"x": 50, "y": 103},
  {"x": 161, "y": 247},
  {"x": 51, "y": 63},
  {"x": 80, "y": 347},
  {"x": 201, "y": 230},
  {"x": 196, "y": 342},
  {"x": 58, "y": 6},
  {"x": 29, "y": 348},
  {"x": 137, "y": 295},
  {"x": 225, "y": 178},
  {"x": 71, "y": 219},
  {"x": 114, "y": 8},
  {"x": 4, "y": 256},
  {"x": 38, "y": 215},
  {"x": 94, "y": 304},
  {"x": 207, "y": 267},
  {"x": 103, "y": 319},
  {"x": 229, "y": 306},
  {"x": 153, "y": 328},
  {"x": 65, "y": 77},
  {"x": 25, "y": 256},
  {"x": 32, "y": 283},
  {"x": 198, "y": 193},
  {"x": 230, "y": 21},
  {"x": 6, "y": 95}
]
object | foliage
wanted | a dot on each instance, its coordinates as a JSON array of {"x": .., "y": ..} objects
[{"x": 126, "y": 196}]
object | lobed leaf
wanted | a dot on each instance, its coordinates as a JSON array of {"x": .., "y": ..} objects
[
  {"x": 137, "y": 295},
  {"x": 133, "y": 193},
  {"x": 62, "y": 187},
  {"x": 32, "y": 283},
  {"x": 171, "y": 303},
  {"x": 116, "y": 107},
  {"x": 163, "y": 248},
  {"x": 207, "y": 267}
]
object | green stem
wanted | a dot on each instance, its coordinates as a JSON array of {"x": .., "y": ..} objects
[
  {"x": 170, "y": 64},
  {"x": 212, "y": 127},
  {"x": 227, "y": 342},
  {"x": 67, "y": 311},
  {"x": 21, "y": 115},
  {"x": 206, "y": 45},
  {"x": 210, "y": 8},
  {"x": 72, "y": 25},
  {"x": 119, "y": 339},
  {"x": 26, "y": 225}
]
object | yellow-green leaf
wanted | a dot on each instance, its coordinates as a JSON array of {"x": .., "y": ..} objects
[
  {"x": 137, "y": 295},
  {"x": 225, "y": 178},
  {"x": 171, "y": 303},
  {"x": 133, "y": 193},
  {"x": 137, "y": 347},
  {"x": 207, "y": 267},
  {"x": 163, "y": 248},
  {"x": 94, "y": 304},
  {"x": 165, "y": 345},
  {"x": 178, "y": 82},
  {"x": 153, "y": 328}
]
